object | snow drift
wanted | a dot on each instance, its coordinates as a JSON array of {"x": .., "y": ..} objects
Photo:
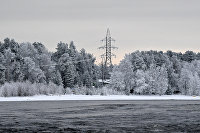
[{"x": 98, "y": 97}]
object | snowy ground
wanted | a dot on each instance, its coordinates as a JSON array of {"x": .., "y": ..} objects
[{"x": 97, "y": 97}]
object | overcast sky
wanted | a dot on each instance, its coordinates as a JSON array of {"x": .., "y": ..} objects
[{"x": 135, "y": 24}]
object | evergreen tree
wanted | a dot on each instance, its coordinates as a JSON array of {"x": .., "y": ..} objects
[
  {"x": 2, "y": 74},
  {"x": 67, "y": 70},
  {"x": 62, "y": 48},
  {"x": 189, "y": 56},
  {"x": 87, "y": 79}
]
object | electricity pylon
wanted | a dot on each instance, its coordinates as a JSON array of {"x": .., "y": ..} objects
[{"x": 108, "y": 49}]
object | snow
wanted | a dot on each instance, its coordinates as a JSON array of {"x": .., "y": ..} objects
[{"x": 98, "y": 97}]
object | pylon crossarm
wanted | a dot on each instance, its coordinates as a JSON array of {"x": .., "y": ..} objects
[
  {"x": 103, "y": 55},
  {"x": 102, "y": 47},
  {"x": 113, "y": 47}
]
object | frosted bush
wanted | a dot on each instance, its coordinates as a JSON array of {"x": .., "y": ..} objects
[
  {"x": 97, "y": 91},
  {"x": 66, "y": 90},
  {"x": 15, "y": 89},
  {"x": 110, "y": 91},
  {"x": 29, "y": 89}
]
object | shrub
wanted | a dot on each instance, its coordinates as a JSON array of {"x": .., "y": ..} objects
[
  {"x": 97, "y": 91},
  {"x": 29, "y": 89}
]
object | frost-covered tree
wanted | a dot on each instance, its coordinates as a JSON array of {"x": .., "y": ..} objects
[
  {"x": 140, "y": 82},
  {"x": 157, "y": 80},
  {"x": 17, "y": 74},
  {"x": 72, "y": 51},
  {"x": 162, "y": 80},
  {"x": 87, "y": 80},
  {"x": 189, "y": 56},
  {"x": 117, "y": 80},
  {"x": 67, "y": 70},
  {"x": 127, "y": 69},
  {"x": 10, "y": 44},
  {"x": 85, "y": 66},
  {"x": 9, "y": 58},
  {"x": 57, "y": 79},
  {"x": 137, "y": 61},
  {"x": 40, "y": 48},
  {"x": 189, "y": 82},
  {"x": 28, "y": 50},
  {"x": 2, "y": 74},
  {"x": 62, "y": 48},
  {"x": 2, "y": 69},
  {"x": 32, "y": 72}
]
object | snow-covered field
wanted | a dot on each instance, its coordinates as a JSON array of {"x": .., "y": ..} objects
[{"x": 98, "y": 97}]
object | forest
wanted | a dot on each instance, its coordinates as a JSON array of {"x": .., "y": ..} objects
[
  {"x": 158, "y": 73},
  {"x": 28, "y": 69}
]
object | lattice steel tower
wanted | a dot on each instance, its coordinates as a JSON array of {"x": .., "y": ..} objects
[{"x": 108, "y": 49}]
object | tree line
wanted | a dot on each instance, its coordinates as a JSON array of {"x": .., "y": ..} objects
[
  {"x": 32, "y": 62},
  {"x": 158, "y": 72},
  {"x": 73, "y": 71}
]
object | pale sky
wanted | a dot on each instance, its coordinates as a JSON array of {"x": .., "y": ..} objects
[{"x": 134, "y": 24}]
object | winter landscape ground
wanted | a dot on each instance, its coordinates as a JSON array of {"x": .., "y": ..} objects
[{"x": 101, "y": 116}]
